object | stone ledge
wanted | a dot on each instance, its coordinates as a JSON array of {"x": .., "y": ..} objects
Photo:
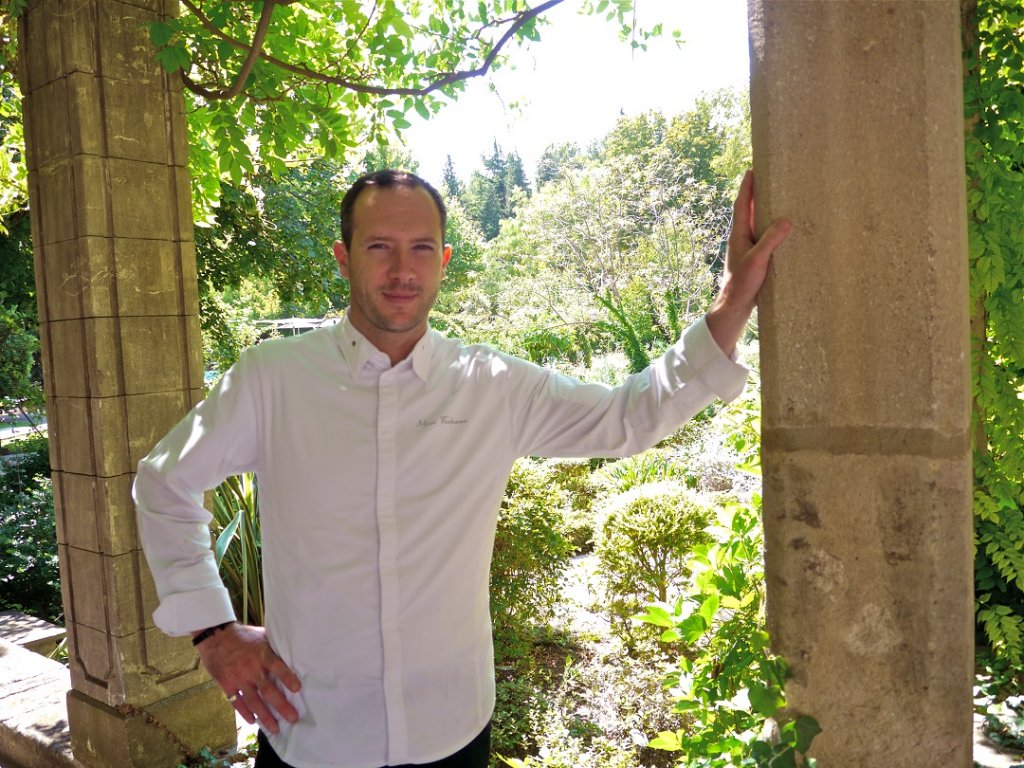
[
  {"x": 32, "y": 634},
  {"x": 33, "y": 713}
]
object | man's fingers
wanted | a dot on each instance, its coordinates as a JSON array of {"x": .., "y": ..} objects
[
  {"x": 743, "y": 212},
  {"x": 275, "y": 697},
  {"x": 284, "y": 674},
  {"x": 774, "y": 235},
  {"x": 243, "y": 709},
  {"x": 253, "y": 698}
]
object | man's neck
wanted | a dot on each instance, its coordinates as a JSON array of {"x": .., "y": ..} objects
[{"x": 396, "y": 345}]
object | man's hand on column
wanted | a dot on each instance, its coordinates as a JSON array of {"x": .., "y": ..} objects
[
  {"x": 241, "y": 661},
  {"x": 746, "y": 265}
]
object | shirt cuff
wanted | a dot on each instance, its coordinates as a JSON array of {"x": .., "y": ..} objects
[
  {"x": 187, "y": 612},
  {"x": 724, "y": 376}
]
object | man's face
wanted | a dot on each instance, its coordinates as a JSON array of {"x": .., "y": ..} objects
[{"x": 394, "y": 266}]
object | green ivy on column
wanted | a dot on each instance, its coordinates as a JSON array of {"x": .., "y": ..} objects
[{"x": 994, "y": 104}]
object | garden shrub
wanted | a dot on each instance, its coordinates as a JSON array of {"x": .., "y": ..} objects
[
  {"x": 575, "y": 478},
  {"x": 645, "y": 542},
  {"x": 728, "y": 684},
  {"x": 531, "y": 554},
  {"x": 29, "y": 574},
  {"x": 598, "y": 712},
  {"x": 651, "y": 466}
]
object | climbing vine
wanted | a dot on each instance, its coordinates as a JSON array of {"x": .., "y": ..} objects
[{"x": 994, "y": 103}]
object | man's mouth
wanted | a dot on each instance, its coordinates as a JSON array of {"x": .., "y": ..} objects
[{"x": 401, "y": 296}]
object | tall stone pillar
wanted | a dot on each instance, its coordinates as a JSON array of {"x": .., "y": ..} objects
[
  {"x": 115, "y": 269},
  {"x": 858, "y": 137}
]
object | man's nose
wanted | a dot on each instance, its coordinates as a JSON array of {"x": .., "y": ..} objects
[{"x": 401, "y": 264}]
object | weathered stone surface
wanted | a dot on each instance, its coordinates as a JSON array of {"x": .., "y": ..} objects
[
  {"x": 150, "y": 736},
  {"x": 70, "y": 430},
  {"x": 858, "y": 138},
  {"x": 179, "y": 129},
  {"x": 95, "y": 513},
  {"x": 124, "y": 47},
  {"x": 866, "y": 564},
  {"x": 143, "y": 667},
  {"x": 51, "y": 139},
  {"x": 136, "y": 121},
  {"x": 129, "y": 600},
  {"x": 31, "y": 633},
  {"x": 84, "y": 99},
  {"x": 73, "y": 200},
  {"x": 90, "y": 351},
  {"x": 80, "y": 278},
  {"x": 53, "y": 224},
  {"x": 147, "y": 343},
  {"x": 33, "y": 717},
  {"x": 136, "y": 190},
  {"x": 151, "y": 416},
  {"x": 90, "y": 435},
  {"x": 150, "y": 276},
  {"x": 879, "y": 284},
  {"x": 40, "y": 24},
  {"x": 91, "y": 277},
  {"x": 121, "y": 349}
]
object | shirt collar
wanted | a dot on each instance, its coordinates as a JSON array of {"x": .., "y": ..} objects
[{"x": 358, "y": 350}]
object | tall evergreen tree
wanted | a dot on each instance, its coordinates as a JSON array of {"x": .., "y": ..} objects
[
  {"x": 515, "y": 181},
  {"x": 494, "y": 191},
  {"x": 451, "y": 187}
]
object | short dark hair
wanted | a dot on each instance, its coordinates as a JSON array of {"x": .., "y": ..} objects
[{"x": 386, "y": 179}]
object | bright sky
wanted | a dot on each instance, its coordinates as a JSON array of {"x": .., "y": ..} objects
[{"x": 576, "y": 82}]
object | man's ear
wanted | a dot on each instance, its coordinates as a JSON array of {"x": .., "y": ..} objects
[
  {"x": 445, "y": 258},
  {"x": 341, "y": 256}
]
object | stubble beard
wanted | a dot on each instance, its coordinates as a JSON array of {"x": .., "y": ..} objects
[{"x": 370, "y": 308}]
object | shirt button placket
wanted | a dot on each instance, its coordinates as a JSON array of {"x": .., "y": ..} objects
[{"x": 387, "y": 458}]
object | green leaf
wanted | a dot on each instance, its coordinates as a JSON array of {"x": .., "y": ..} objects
[
  {"x": 656, "y": 615},
  {"x": 666, "y": 740},
  {"x": 225, "y": 537},
  {"x": 692, "y": 628},
  {"x": 785, "y": 759},
  {"x": 160, "y": 33},
  {"x": 806, "y": 728},
  {"x": 765, "y": 701},
  {"x": 709, "y": 607}
]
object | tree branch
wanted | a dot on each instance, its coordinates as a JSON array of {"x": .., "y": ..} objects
[
  {"x": 377, "y": 90},
  {"x": 250, "y": 60}
]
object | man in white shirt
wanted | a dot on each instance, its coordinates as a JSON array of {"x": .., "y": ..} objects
[{"x": 382, "y": 450}]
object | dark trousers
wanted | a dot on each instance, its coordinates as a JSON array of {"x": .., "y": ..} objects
[{"x": 473, "y": 755}]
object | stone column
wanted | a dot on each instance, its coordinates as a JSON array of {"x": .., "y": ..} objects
[
  {"x": 115, "y": 268},
  {"x": 858, "y": 137}
]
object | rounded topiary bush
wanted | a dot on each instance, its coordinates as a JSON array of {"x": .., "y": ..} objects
[{"x": 644, "y": 543}]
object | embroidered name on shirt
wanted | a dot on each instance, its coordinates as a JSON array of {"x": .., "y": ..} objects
[{"x": 440, "y": 420}]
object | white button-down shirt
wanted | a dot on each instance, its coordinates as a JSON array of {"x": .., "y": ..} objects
[{"x": 379, "y": 488}]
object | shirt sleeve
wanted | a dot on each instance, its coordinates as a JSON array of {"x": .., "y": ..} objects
[
  {"x": 555, "y": 415},
  {"x": 218, "y": 438}
]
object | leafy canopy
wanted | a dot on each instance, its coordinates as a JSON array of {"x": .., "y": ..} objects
[{"x": 268, "y": 83}]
